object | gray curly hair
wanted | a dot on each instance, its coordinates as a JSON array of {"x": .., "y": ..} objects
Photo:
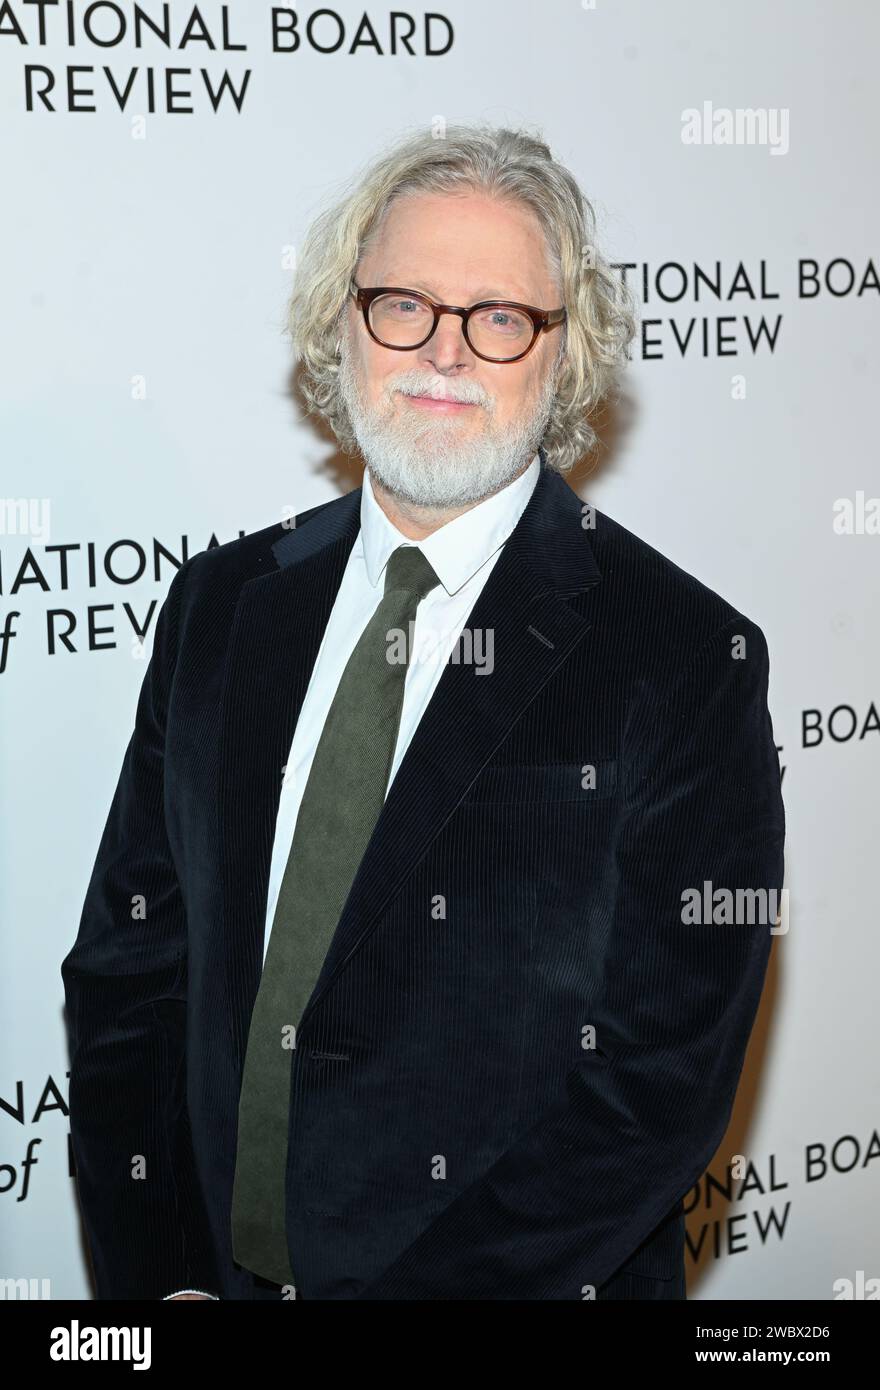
[{"x": 508, "y": 164}]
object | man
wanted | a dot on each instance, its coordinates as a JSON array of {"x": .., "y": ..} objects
[{"x": 388, "y": 983}]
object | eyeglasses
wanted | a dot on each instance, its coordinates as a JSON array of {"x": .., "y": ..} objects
[{"x": 495, "y": 329}]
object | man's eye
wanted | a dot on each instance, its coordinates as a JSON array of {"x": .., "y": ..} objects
[{"x": 406, "y": 307}]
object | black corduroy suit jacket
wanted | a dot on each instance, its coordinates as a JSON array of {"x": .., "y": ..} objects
[{"x": 518, "y": 1056}]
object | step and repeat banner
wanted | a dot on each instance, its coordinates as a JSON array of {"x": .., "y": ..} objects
[{"x": 160, "y": 165}]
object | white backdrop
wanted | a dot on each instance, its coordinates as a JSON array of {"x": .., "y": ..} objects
[{"x": 146, "y": 400}]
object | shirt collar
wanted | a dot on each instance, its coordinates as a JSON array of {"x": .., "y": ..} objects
[{"x": 457, "y": 550}]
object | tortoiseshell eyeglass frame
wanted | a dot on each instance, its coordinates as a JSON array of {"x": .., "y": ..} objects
[{"x": 542, "y": 319}]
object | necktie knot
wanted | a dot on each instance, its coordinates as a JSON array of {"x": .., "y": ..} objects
[{"x": 409, "y": 569}]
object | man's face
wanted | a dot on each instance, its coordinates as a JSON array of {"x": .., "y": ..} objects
[{"x": 458, "y": 249}]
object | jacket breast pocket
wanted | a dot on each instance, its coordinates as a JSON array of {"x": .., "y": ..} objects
[{"x": 522, "y": 784}]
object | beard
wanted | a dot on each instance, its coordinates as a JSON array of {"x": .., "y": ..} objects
[{"x": 433, "y": 461}]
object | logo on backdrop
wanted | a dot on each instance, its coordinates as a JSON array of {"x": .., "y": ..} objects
[
  {"x": 151, "y": 83},
  {"x": 682, "y": 303},
  {"x": 754, "y": 1203},
  {"x": 65, "y": 572}
]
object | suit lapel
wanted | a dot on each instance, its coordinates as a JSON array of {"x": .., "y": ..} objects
[{"x": 277, "y": 631}]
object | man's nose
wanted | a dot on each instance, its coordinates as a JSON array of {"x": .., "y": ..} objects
[{"x": 447, "y": 347}]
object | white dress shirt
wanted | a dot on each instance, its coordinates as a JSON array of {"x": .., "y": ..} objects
[{"x": 462, "y": 553}]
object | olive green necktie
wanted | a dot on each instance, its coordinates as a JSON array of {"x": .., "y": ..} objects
[{"x": 341, "y": 803}]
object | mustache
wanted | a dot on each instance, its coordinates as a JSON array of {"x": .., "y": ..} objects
[{"x": 438, "y": 389}]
